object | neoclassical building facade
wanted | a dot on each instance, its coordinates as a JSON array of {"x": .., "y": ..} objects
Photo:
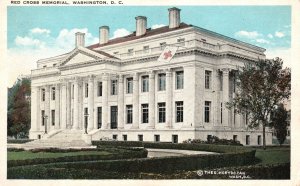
[{"x": 117, "y": 88}]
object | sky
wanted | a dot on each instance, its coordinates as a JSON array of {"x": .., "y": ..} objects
[{"x": 39, "y": 32}]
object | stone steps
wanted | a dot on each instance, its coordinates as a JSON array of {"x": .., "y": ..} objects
[{"x": 63, "y": 139}]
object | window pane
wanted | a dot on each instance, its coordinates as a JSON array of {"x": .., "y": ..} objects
[
  {"x": 99, "y": 88},
  {"x": 145, "y": 114},
  {"x": 207, "y": 111},
  {"x": 161, "y": 82},
  {"x": 129, "y": 113},
  {"x": 129, "y": 85},
  {"x": 161, "y": 112},
  {"x": 179, "y": 80},
  {"x": 145, "y": 83},
  {"x": 179, "y": 111},
  {"x": 207, "y": 79}
]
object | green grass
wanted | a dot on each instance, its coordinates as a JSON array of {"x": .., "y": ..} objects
[
  {"x": 273, "y": 155},
  {"x": 22, "y": 155}
]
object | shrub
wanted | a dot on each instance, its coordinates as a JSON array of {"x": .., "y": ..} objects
[
  {"x": 126, "y": 153},
  {"x": 214, "y": 140},
  {"x": 19, "y": 141}
]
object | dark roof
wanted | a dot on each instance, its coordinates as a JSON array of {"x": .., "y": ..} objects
[{"x": 149, "y": 32}]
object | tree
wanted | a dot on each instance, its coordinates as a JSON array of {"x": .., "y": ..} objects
[
  {"x": 280, "y": 123},
  {"x": 18, "y": 108},
  {"x": 261, "y": 86}
]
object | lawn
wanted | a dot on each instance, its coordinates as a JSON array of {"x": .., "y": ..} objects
[
  {"x": 273, "y": 155},
  {"x": 22, "y": 155}
]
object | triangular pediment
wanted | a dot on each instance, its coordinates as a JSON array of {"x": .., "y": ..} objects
[{"x": 81, "y": 55}]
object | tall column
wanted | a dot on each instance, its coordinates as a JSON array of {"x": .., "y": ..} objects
[
  {"x": 34, "y": 110},
  {"x": 38, "y": 109},
  {"x": 47, "y": 106},
  {"x": 91, "y": 123},
  {"x": 75, "y": 105},
  {"x": 151, "y": 100},
  {"x": 104, "y": 101},
  {"x": 169, "y": 98},
  {"x": 121, "y": 102},
  {"x": 57, "y": 106},
  {"x": 225, "y": 96},
  {"x": 63, "y": 105},
  {"x": 135, "y": 102},
  {"x": 68, "y": 102}
]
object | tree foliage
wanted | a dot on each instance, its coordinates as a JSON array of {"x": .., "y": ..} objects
[
  {"x": 279, "y": 122},
  {"x": 18, "y": 108},
  {"x": 261, "y": 86}
]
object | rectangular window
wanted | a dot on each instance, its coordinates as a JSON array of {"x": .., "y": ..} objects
[
  {"x": 179, "y": 80},
  {"x": 174, "y": 138},
  {"x": 114, "y": 85},
  {"x": 53, "y": 93},
  {"x": 234, "y": 116},
  {"x": 129, "y": 113},
  {"x": 179, "y": 111},
  {"x": 207, "y": 79},
  {"x": 207, "y": 111},
  {"x": 99, "y": 116},
  {"x": 129, "y": 88},
  {"x": 99, "y": 89},
  {"x": 246, "y": 118},
  {"x": 43, "y": 94},
  {"x": 86, "y": 112},
  {"x": 124, "y": 137},
  {"x": 140, "y": 137},
  {"x": 259, "y": 140},
  {"x": 234, "y": 138},
  {"x": 247, "y": 139},
  {"x": 145, "y": 83},
  {"x": 146, "y": 49},
  {"x": 161, "y": 112},
  {"x": 221, "y": 111},
  {"x": 162, "y": 45},
  {"x": 145, "y": 114},
  {"x": 86, "y": 90},
  {"x": 130, "y": 52},
  {"x": 43, "y": 117},
  {"x": 156, "y": 138},
  {"x": 115, "y": 137},
  {"x": 53, "y": 117},
  {"x": 54, "y": 64},
  {"x": 181, "y": 42},
  {"x": 161, "y": 82}
]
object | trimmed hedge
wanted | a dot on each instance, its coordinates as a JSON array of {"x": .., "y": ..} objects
[
  {"x": 179, "y": 146},
  {"x": 19, "y": 141},
  {"x": 126, "y": 153},
  {"x": 166, "y": 164}
]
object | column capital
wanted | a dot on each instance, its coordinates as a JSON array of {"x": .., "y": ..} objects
[
  {"x": 135, "y": 76},
  {"x": 91, "y": 77},
  {"x": 225, "y": 70},
  {"x": 57, "y": 86},
  {"x": 151, "y": 74},
  {"x": 105, "y": 76},
  {"x": 168, "y": 72},
  {"x": 121, "y": 78}
]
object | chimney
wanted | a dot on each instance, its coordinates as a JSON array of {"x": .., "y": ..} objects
[
  {"x": 141, "y": 25},
  {"x": 103, "y": 34},
  {"x": 79, "y": 39},
  {"x": 174, "y": 17}
]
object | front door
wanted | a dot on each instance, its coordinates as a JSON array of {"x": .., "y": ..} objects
[{"x": 113, "y": 117}]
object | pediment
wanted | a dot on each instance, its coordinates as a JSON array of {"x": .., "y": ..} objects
[{"x": 82, "y": 55}]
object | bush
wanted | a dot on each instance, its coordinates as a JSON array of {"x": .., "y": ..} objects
[
  {"x": 126, "y": 153},
  {"x": 19, "y": 141},
  {"x": 160, "y": 164},
  {"x": 215, "y": 140}
]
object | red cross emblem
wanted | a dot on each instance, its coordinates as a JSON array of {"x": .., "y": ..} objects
[{"x": 167, "y": 54}]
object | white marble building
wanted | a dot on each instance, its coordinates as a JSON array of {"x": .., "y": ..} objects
[{"x": 120, "y": 90}]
